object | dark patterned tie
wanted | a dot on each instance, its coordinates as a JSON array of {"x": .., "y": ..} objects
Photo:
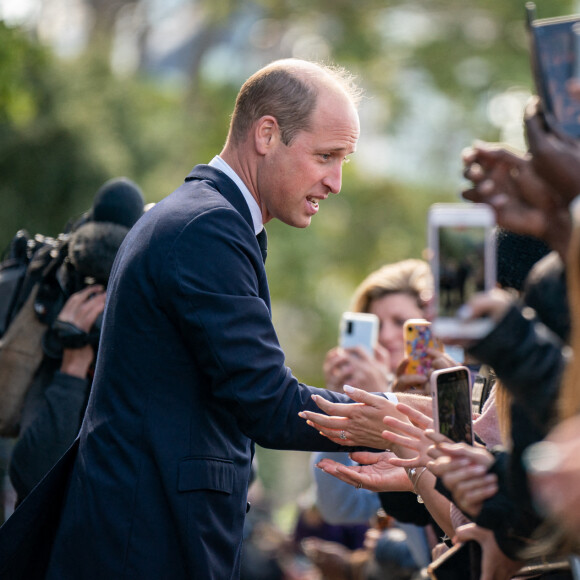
[{"x": 263, "y": 243}]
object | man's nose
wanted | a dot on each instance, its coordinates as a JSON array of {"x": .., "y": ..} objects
[{"x": 333, "y": 179}]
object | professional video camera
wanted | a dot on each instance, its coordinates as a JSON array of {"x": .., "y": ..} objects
[
  {"x": 41, "y": 273},
  {"x": 82, "y": 255}
]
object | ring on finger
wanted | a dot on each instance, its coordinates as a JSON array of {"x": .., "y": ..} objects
[{"x": 342, "y": 435}]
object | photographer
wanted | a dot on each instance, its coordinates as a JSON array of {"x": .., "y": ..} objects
[
  {"x": 68, "y": 301},
  {"x": 56, "y": 401}
]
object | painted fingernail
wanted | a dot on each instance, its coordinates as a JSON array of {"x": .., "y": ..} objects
[{"x": 348, "y": 389}]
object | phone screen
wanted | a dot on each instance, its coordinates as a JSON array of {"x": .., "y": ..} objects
[
  {"x": 461, "y": 266},
  {"x": 453, "y": 398},
  {"x": 555, "y": 60}
]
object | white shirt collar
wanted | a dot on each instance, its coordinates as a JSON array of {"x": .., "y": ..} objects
[{"x": 220, "y": 164}]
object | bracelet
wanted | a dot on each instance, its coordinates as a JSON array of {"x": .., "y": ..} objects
[{"x": 415, "y": 477}]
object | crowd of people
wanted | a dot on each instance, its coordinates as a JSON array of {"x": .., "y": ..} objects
[
  {"x": 134, "y": 460},
  {"x": 502, "y": 491}
]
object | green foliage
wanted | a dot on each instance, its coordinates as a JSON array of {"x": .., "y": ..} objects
[
  {"x": 43, "y": 163},
  {"x": 67, "y": 126}
]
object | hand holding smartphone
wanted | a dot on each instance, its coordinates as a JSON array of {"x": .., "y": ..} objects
[
  {"x": 452, "y": 410},
  {"x": 462, "y": 250},
  {"x": 555, "y": 62}
]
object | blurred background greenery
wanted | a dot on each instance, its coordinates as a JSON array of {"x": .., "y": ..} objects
[{"x": 92, "y": 89}]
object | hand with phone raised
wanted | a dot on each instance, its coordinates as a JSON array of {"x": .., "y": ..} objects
[
  {"x": 424, "y": 353},
  {"x": 359, "y": 359}
]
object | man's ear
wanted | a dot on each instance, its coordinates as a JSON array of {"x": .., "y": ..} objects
[{"x": 266, "y": 134}]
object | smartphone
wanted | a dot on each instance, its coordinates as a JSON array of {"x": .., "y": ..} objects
[
  {"x": 451, "y": 395},
  {"x": 359, "y": 329},
  {"x": 555, "y": 61},
  {"x": 462, "y": 254},
  {"x": 418, "y": 338}
]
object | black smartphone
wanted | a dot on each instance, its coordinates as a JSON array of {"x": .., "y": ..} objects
[{"x": 452, "y": 410}]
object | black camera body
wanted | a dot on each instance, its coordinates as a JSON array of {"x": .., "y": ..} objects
[{"x": 85, "y": 258}]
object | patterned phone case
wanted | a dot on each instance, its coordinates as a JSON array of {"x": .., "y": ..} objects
[{"x": 418, "y": 338}]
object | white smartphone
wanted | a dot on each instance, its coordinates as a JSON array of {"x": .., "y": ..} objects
[
  {"x": 462, "y": 252},
  {"x": 451, "y": 392},
  {"x": 359, "y": 329}
]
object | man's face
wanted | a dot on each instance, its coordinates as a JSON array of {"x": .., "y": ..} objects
[{"x": 295, "y": 178}]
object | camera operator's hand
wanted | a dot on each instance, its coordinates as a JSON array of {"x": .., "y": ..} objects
[{"x": 81, "y": 310}]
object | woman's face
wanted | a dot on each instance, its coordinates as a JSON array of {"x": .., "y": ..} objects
[{"x": 393, "y": 310}]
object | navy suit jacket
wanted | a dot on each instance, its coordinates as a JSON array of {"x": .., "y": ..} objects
[{"x": 189, "y": 374}]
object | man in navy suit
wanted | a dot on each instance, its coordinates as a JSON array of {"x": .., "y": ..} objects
[{"x": 190, "y": 372}]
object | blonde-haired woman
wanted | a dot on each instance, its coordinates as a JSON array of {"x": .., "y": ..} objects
[{"x": 395, "y": 293}]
